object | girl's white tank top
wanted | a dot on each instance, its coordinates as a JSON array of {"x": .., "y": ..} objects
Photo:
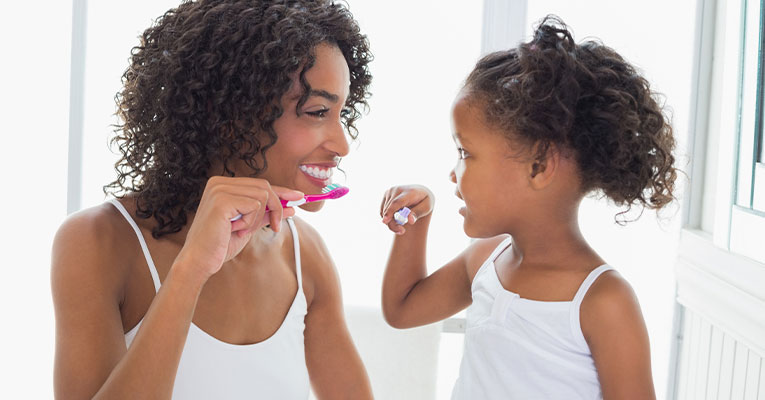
[
  {"x": 517, "y": 348},
  {"x": 211, "y": 369}
]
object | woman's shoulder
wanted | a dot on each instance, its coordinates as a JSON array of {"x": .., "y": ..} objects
[
  {"x": 91, "y": 227},
  {"x": 311, "y": 242},
  {"x": 90, "y": 240},
  {"x": 318, "y": 267}
]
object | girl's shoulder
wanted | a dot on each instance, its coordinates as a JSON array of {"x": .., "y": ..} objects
[
  {"x": 609, "y": 305},
  {"x": 479, "y": 251}
]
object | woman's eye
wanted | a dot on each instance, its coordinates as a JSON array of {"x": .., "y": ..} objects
[
  {"x": 318, "y": 113},
  {"x": 345, "y": 112}
]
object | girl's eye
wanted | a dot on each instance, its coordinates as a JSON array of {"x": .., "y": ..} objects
[
  {"x": 318, "y": 113},
  {"x": 462, "y": 153}
]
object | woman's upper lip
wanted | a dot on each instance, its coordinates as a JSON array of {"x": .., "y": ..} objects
[{"x": 330, "y": 164}]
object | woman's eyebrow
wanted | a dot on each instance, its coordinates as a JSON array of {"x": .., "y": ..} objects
[{"x": 325, "y": 94}]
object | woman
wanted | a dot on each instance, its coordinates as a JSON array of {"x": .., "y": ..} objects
[{"x": 227, "y": 106}]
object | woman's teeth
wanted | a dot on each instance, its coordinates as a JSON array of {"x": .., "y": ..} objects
[{"x": 316, "y": 172}]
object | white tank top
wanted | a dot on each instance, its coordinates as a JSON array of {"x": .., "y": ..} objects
[
  {"x": 517, "y": 348},
  {"x": 211, "y": 369}
]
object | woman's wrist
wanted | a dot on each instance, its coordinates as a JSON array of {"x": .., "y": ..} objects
[{"x": 188, "y": 273}]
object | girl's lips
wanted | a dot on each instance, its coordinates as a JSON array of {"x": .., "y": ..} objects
[{"x": 463, "y": 210}]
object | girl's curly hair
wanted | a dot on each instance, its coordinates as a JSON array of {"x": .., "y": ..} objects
[
  {"x": 205, "y": 85},
  {"x": 586, "y": 99}
]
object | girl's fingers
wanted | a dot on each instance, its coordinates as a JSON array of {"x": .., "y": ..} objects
[
  {"x": 405, "y": 199},
  {"x": 396, "y": 228},
  {"x": 386, "y": 199}
]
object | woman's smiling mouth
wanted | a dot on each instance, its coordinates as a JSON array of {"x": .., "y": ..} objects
[
  {"x": 320, "y": 174},
  {"x": 317, "y": 171}
]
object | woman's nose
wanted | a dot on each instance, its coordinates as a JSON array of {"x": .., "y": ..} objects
[{"x": 337, "y": 142}]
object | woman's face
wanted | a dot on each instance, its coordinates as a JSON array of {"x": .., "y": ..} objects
[{"x": 310, "y": 145}]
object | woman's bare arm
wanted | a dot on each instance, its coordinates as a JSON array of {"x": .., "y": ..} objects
[
  {"x": 334, "y": 365},
  {"x": 91, "y": 356}
]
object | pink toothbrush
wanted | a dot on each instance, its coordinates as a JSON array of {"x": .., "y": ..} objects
[{"x": 332, "y": 191}]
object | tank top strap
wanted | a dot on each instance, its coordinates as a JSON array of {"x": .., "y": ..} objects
[
  {"x": 296, "y": 245},
  {"x": 499, "y": 249},
  {"x": 487, "y": 271},
  {"x": 576, "y": 304},
  {"x": 144, "y": 247}
]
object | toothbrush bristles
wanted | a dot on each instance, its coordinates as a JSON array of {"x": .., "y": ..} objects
[{"x": 330, "y": 187}]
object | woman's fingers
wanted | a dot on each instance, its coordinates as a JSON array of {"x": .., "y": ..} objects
[
  {"x": 268, "y": 196},
  {"x": 247, "y": 217},
  {"x": 287, "y": 194}
]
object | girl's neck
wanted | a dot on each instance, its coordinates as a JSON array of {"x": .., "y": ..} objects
[{"x": 552, "y": 243}]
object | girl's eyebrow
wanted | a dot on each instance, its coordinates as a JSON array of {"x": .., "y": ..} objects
[{"x": 460, "y": 138}]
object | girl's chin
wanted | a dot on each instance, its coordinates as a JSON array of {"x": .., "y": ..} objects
[{"x": 476, "y": 232}]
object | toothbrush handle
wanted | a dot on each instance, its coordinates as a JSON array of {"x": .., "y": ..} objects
[
  {"x": 315, "y": 197},
  {"x": 292, "y": 203},
  {"x": 333, "y": 194}
]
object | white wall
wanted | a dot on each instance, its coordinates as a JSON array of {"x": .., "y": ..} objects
[
  {"x": 34, "y": 109},
  {"x": 415, "y": 81}
]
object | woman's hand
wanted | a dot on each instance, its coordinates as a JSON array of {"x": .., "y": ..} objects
[
  {"x": 213, "y": 238},
  {"x": 417, "y": 198}
]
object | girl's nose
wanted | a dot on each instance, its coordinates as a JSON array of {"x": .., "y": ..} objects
[{"x": 452, "y": 176}]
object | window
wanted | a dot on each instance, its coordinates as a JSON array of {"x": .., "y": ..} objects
[
  {"x": 758, "y": 185},
  {"x": 748, "y": 211}
]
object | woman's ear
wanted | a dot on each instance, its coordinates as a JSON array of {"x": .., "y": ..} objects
[{"x": 543, "y": 167}]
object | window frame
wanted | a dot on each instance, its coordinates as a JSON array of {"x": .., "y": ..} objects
[{"x": 747, "y": 211}]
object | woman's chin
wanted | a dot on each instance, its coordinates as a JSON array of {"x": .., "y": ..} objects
[{"x": 312, "y": 207}]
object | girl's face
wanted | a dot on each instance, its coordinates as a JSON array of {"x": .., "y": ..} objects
[
  {"x": 490, "y": 178},
  {"x": 310, "y": 145}
]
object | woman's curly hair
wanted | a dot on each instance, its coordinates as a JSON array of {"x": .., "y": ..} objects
[
  {"x": 586, "y": 99},
  {"x": 205, "y": 85}
]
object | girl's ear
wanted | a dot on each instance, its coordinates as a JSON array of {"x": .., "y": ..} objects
[{"x": 542, "y": 169}]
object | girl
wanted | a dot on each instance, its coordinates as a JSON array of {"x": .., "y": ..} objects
[
  {"x": 226, "y": 104},
  {"x": 537, "y": 128}
]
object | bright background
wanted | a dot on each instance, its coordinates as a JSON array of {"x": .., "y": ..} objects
[{"x": 423, "y": 50}]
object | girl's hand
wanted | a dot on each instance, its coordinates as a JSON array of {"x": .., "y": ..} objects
[
  {"x": 417, "y": 198},
  {"x": 213, "y": 239}
]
